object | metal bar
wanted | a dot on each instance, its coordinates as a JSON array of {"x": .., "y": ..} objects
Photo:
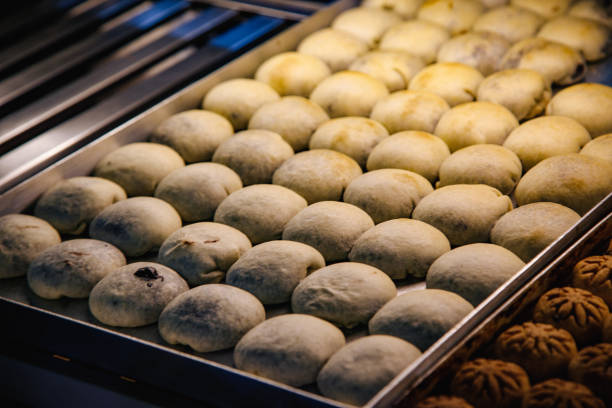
[
  {"x": 256, "y": 9},
  {"x": 23, "y": 123}
]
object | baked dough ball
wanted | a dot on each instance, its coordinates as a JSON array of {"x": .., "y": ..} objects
[
  {"x": 293, "y": 117},
  {"x": 600, "y": 147},
  {"x": 465, "y": 213},
  {"x": 420, "y": 38},
  {"x": 196, "y": 190},
  {"x": 394, "y": 68},
  {"x": 137, "y": 225},
  {"x": 366, "y": 23},
  {"x": 410, "y": 110},
  {"x": 481, "y": 50},
  {"x": 71, "y": 204},
  {"x": 586, "y": 36},
  {"x": 138, "y": 167},
  {"x": 238, "y": 99},
  {"x": 420, "y": 317},
  {"x": 254, "y": 154},
  {"x": 443, "y": 401},
  {"x": 353, "y": 135},
  {"x": 473, "y": 271},
  {"x": 210, "y": 317},
  {"x": 513, "y": 23},
  {"x": 594, "y": 274},
  {"x": 524, "y": 92},
  {"x": 488, "y": 164},
  {"x": 330, "y": 227},
  {"x": 545, "y": 137},
  {"x": 527, "y": 230},
  {"x": 560, "y": 393},
  {"x": 23, "y": 238},
  {"x": 260, "y": 211},
  {"x": 203, "y": 252},
  {"x": 607, "y": 330},
  {"x": 405, "y": 8},
  {"x": 338, "y": 49},
  {"x": 457, "y": 16},
  {"x": 591, "y": 367},
  {"x": 363, "y": 367},
  {"x": 387, "y": 193},
  {"x": 557, "y": 62},
  {"x": 401, "y": 248},
  {"x": 272, "y": 270},
  {"x": 134, "y": 295},
  {"x": 592, "y": 10},
  {"x": 194, "y": 134},
  {"x": 590, "y": 104},
  {"x": 576, "y": 181},
  {"x": 290, "y": 348},
  {"x": 455, "y": 82},
  {"x": 292, "y": 73},
  {"x": 545, "y": 8},
  {"x": 72, "y": 268},
  {"x": 349, "y": 93},
  {"x": 318, "y": 175},
  {"x": 475, "y": 123}
]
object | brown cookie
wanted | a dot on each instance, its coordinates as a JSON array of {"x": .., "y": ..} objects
[
  {"x": 592, "y": 366},
  {"x": 559, "y": 393},
  {"x": 443, "y": 401},
  {"x": 541, "y": 349},
  {"x": 595, "y": 275},
  {"x": 607, "y": 330},
  {"x": 576, "y": 310},
  {"x": 490, "y": 383}
]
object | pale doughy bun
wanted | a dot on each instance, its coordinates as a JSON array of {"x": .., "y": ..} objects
[
  {"x": 513, "y": 23},
  {"x": 196, "y": 190},
  {"x": 293, "y": 117},
  {"x": 586, "y": 36},
  {"x": 254, "y": 155},
  {"x": 488, "y": 164},
  {"x": 420, "y": 316},
  {"x": 416, "y": 151},
  {"x": 290, "y": 349},
  {"x": 600, "y": 147},
  {"x": 592, "y": 10},
  {"x": 455, "y": 82},
  {"x": 401, "y": 248},
  {"x": 544, "y": 137},
  {"x": 203, "y": 252},
  {"x": 410, "y": 110},
  {"x": 475, "y": 123},
  {"x": 576, "y": 181},
  {"x": 238, "y": 99},
  {"x": 338, "y": 49},
  {"x": 72, "y": 268},
  {"x": 210, "y": 317},
  {"x": 23, "y": 238},
  {"x": 366, "y": 23},
  {"x": 346, "y": 294},
  {"x": 363, "y": 367},
  {"x": 330, "y": 227},
  {"x": 420, "y": 38},
  {"x": 457, "y": 16},
  {"x": 387, "y": 193},
  {"x": 260, "y": 211},
  {"x": 71, "y": 204},
  {"x": 292, "y": 73},
  {"x": 529, "y": 229},
  {"x": 354, "y": 136},
  {"x": 481, "y": 50},
  {"x": 465, "y": 213},
  {"x": 394, "y": 68},
  {"x": 134, "y": 295},
  {"x": 138, "y": 167},
  {"x": 590, "y": 104},
  {"x": 194, "y": 134},
  {"x": 524, "y": 92},
  {"x": 473, "y": 271},
  {"x": 405, "y": 8},
  {"x": 318, "y": 175},
  {"x": 494, "y": 3},
  {"x": 545, "y": 8},
  {"x": 272, "y": 270},
  {"x": 557, "y": 62},
  {"x": 137, "y": 225},
  {"x": 348, "y": 93}
]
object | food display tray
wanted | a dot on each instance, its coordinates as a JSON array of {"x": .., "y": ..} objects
[{"x": 140, "y": 363}]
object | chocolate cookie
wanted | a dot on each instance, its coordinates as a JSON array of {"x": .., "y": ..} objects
[
  {"x": 443, "y": 401},
  {"x": 559, "y": 393},
  {"x": 595, "y": 275},
  {"x": 592, "y": 366}
]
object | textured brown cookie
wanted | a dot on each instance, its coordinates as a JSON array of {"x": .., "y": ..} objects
[
  {"x": 592, "y": 366},
  {"x": 607, "y": 330},
  {"x": 576, "y": 310},
  {"x": 541, "y": 349},
  {"x": 559, "y": 393},
  {"x": 443, "y": 401},
  {"x": 595, "y": 275}
]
